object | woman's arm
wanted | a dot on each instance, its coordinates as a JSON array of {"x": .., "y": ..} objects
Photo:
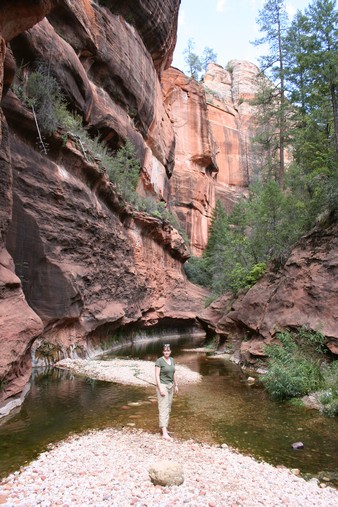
[{"x": 157, "y": 380}]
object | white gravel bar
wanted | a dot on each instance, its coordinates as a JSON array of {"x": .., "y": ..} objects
[
  {"x": 109, "y": 468},
  {"x": 125, "y": 371}
]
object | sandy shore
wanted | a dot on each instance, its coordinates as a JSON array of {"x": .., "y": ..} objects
[
  {"x": 109, "y": 468},
  {"x": 125, "y": 371}
]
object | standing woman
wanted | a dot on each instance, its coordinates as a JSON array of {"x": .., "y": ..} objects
[{"x": 166, "y": 383}]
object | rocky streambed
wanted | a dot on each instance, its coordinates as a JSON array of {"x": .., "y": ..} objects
[{"x": 111, "y": 468}]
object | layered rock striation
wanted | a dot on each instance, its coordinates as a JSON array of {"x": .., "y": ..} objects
[
  {"x": 213, "y": 124},
  {"x": 231, "y": 115},
  {"x": 192, "y": 186}
]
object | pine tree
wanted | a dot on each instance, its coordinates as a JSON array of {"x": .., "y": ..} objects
[
  {"x": 218, "y": 228},
  {"x": 272, "y": 21},
  {"x": 208, "y": 56},
  {"x": 323, "y": 18},
  {"x": 192, "y": 60},
  {"x": 298, "y": 47},
  {"x": 311, "y": 76},
  {"x": 196, "y": 64}
]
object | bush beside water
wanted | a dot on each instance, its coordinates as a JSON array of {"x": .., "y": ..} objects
[
  {"x": 298, "y": 366},
  {"x": 329, "y": 395}
]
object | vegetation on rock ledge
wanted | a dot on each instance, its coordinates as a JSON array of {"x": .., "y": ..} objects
[{"x": 41, "y": 92}]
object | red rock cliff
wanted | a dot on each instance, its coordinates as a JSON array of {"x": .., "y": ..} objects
[
  {"x": 75, "y": 262},
  {"x": 214, "y": 158},
  {"x": 192, "y": 186},
  {"x": 232, "y": 124}
]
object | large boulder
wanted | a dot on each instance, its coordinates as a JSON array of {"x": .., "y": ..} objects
[{"x": 166, "y": 473}]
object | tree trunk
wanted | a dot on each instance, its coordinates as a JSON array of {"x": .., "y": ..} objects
[
  {"x": 281, "y": 112},
  {"x": 335, "y": 112}
]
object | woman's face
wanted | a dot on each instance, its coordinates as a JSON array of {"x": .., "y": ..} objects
[{"x": 166, "y": 350}]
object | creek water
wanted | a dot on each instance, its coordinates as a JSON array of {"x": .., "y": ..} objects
[{"x": 222, "y": 408}]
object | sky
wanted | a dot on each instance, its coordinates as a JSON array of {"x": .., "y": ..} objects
[{"x": 225, "y": 26}]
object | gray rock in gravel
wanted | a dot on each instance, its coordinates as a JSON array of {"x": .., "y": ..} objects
[
  {"x": 297, "y": 445},
  {"x": 166, "y": 473}
]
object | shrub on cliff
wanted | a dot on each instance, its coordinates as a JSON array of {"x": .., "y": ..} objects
[
  {"x": 44, "y": 94},
  {"x": 124, "y": 169},
  {"x": 40, "y": 91}
]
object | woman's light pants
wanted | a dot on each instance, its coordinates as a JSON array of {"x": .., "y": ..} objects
[{"x": 164, "y": 404}]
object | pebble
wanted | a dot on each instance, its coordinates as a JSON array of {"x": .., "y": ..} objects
[{"x": 110, "y": 468}]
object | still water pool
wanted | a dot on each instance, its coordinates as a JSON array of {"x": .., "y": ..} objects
[{"x": 223, "y": 408}]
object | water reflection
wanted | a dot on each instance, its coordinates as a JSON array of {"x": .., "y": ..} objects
[
  {"x": 222, "y": 408},
  {"x": 58, "y": 405}
]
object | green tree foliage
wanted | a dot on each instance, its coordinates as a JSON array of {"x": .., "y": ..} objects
[
  {"x": 298, "y": 107},
  {"x": 260, "y": 229},
  {"x": 197, "y": 270},
  {"x": 195, "y": 63},
  {"x": 272, "y": 21},
  {"x": 228, "y": 263},
  {"x": 207, "y": 57},
  {"x": 218, "y": 229},
  {"x": 298, "y": 48},
  {"x": 297, "y": 116},
  {"x": 192, "y": 60},
  {"x": 311, "y": 75},
  {"x": 266, "y": 138},
  {"x": 275, "y": 220},
  {"x": 323, "y": 20}
]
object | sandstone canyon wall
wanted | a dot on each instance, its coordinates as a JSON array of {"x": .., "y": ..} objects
[
  {"x": 192, "y": 186},
  {"x": 213, "y": 123},
  {"x": 231, "y": 115},
  {"x": 76, "y": 261}
]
